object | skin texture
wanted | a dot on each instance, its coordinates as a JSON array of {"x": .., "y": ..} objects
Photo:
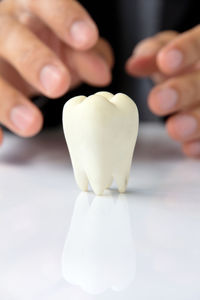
[
  {"x": 45, "y": 53},
  {"x": 172, "y": 61}
]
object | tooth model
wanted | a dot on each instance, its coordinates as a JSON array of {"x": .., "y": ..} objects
[{"x": 101, "y": 132}]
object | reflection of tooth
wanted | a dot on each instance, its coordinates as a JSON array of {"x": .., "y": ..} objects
[
  {"x": 101, "y": 132},
  {"x": 99, "y": 252}
]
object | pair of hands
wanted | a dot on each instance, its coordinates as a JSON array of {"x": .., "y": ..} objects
[{"x": 50, "y": 53}]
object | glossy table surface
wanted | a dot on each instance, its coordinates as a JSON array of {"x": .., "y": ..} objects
[{"x": 57, "y": 243}]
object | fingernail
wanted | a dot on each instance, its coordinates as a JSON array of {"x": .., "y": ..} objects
[
  {"x": 184, "y": 125},
  {"x": 50, "y": 78},
  {"x": 194, "y": 148},
  {"x": 22, "y": 117},
  {"x": 173, "y": 59},
  {"x": 166, "y": 99},
  {"x": 82, "y": 31}
]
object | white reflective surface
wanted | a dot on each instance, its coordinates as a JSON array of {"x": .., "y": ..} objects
[
  {"x": 99, "y": 252},
  {"x": 57, "y": 243}
]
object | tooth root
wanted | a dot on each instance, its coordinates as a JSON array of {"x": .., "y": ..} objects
[
  {"x": 81, "y": 179},
  {"x": 97, "y": 187},
  {"x": 99, "y": 184},
  {"x": 121, "y": 182}
]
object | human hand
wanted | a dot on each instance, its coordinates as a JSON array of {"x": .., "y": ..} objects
[
  {"x": 172, "y": 60},
  {"x": 46, "y": 47}
]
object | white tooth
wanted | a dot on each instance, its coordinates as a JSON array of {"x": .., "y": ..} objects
[
  {"x": 107, "y": 95},
  {"x": 121, "y": 181},
  {"x": 81, "y": 178},
  {"x": 101, "y": 132}
]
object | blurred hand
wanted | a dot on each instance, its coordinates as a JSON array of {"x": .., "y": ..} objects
[
  {"x": 172, "y": 60},
  {"x": 46, "y": 47}
]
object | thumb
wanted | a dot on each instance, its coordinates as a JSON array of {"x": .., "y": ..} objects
[{"x": 143, "y": 59}]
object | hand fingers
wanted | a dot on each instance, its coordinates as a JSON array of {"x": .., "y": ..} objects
[
  {"x": 185, "y": 126},
  {"x": 143, "y": 61},
  {"x": 181, "y": 52},
  {"x": 36, "y": 63},
  {"x": 93, "y": 66},
  {"x": 159, "y": 77},
  {"x": 69, "y": 20},
  {"x": 104, "y": 48},
  {"x": 17, "y": 113},
  {"x": 192, "y": 149},
  {"x": 178, "y": 93}
]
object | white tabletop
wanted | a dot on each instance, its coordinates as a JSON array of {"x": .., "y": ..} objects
[{"x": 57, "y": 243}]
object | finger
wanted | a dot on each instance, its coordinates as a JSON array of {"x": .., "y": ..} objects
[
  {"x": 17, "y": 113},
  {"x": 69, "y": 20},
  {"x": 192, "y": 149},
  {"x": 175, "y": 94},
  {"x": 185, "y": 127},
  {"x": 158, "y": 77},
  {"x": 93, "y": 66},
  {"x": 143, "y": 60},
  {"x": 104, "y": 48},
  {"x": 36, "y": 63},
  {"x": 181, "y": 52},
  {"x": 1, "y": 136}
]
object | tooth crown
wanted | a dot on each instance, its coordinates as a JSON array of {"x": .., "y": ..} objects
[{"x": 101, "y": 131}]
